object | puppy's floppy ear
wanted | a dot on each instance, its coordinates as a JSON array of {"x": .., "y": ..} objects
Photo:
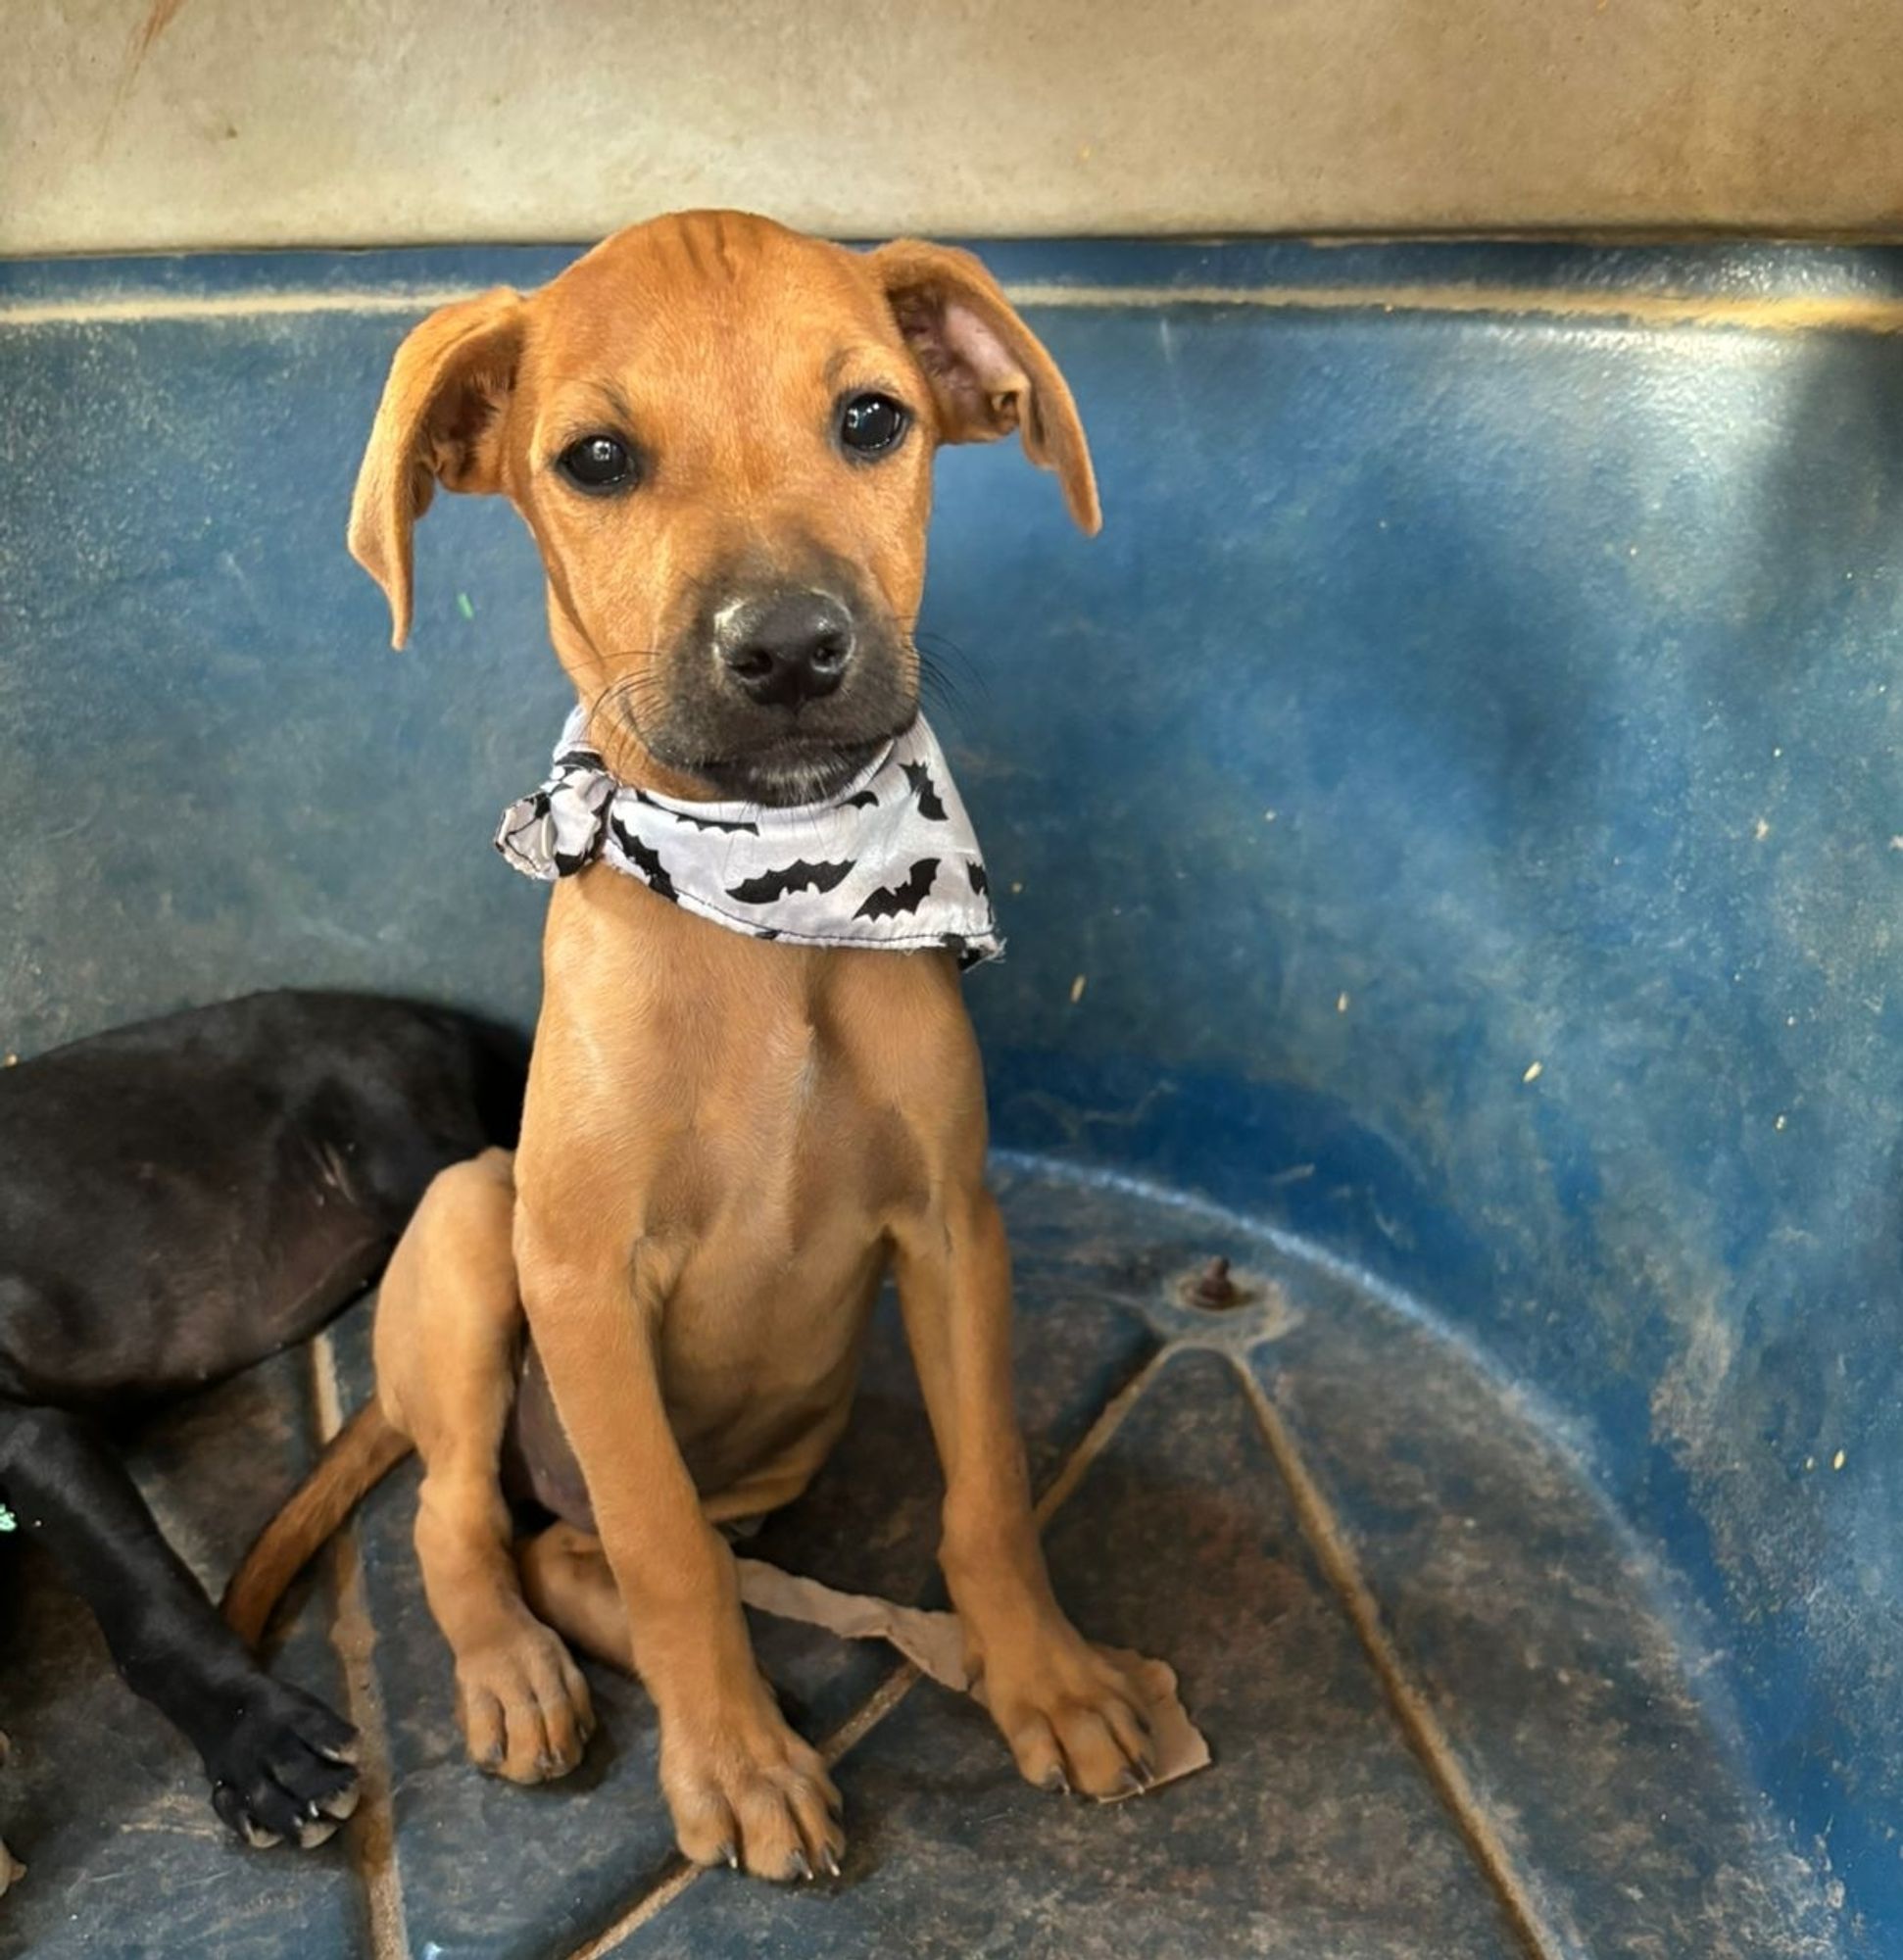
[
  {"x": 439, "y": 423},
  {"x": 987, "y": 372}
]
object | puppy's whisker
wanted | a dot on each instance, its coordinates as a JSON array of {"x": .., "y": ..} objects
[
  {"x": 938, "y": 690},
  {"x": 944, "y": 652}
]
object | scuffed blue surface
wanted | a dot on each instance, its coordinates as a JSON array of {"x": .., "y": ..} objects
[{"x": 1449, "y": 693}]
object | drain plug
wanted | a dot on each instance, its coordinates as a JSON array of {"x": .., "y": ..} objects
[{"x": 1214, "y": 1289}]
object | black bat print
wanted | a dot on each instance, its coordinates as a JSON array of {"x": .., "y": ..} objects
[
  {"x": 698, "y": 822},
  {"x": 798, "y": 876},
  {"x": 578, "y": 759},
  {"x": 904, "y": 897},
  {"x": 920, "y": 779},
  {"x": 865, "y": 800},
  {"x": 980, "y": 881},
  {"x": 645, "y": 860}
]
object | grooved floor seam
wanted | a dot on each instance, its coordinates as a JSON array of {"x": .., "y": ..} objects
[
  {"x": 371, "y": 1840},
  {"x": 1322, "y": 1533}
]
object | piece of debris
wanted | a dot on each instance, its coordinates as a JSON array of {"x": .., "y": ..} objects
[
  {"x": 1534, "y": 1071},
  {"x": 1077, "y": 989}
]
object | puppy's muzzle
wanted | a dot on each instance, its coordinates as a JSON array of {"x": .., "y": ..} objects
[{"x": 784, "y": 650}]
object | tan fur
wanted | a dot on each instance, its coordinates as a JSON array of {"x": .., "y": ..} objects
[{"x": 727, "y": 1143}]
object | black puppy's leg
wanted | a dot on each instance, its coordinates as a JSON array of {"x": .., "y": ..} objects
[{"x": 278, "y": 1760}]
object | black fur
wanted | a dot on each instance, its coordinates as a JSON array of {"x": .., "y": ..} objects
[{"x": 178, "y": 1200}]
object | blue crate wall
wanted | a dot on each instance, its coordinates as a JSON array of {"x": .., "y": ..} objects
[{"x": 1452, "y": 813}]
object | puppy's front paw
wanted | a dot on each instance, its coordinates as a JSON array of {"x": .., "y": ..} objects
[
  {"x": 282, "y": 1767},
  {"x": 1072, "y": 1713},
  {"x": 744, "y": 1791},
  {"x": 523, "y": 1707}
]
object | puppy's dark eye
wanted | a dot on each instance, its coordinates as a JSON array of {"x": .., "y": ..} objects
[
  {"x": 871, "y": 423},
  {"x": 598, "y": 462}
]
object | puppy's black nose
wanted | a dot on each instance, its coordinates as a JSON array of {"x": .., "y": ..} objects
[{"x": 788, "y": 649}]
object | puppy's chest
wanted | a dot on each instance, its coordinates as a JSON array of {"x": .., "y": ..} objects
[{"x": 803, "y": 1134}]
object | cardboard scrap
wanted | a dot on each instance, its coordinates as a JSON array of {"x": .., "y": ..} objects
[
  {"x": 10, "y": 1868},
  {"x": 934, "y": 1643}
]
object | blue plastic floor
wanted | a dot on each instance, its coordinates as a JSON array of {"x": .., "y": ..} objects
[{"x": 1453, "y": 1713}]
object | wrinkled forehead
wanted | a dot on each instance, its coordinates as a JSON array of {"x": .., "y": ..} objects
[{"x": 684, "y": 322}]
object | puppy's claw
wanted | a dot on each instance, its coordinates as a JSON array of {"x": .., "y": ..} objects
[
  {"x": 832, "y": 1862},
  {"x": 799, "y": 1867}
]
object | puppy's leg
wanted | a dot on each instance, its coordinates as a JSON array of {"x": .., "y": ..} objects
[
  {"x": 278, "y": 1760},
  {"x": 567, "y": 1581},
  {"x": 742, "y": 1786},
  {"x": 447, "y": 1325},
  {"x": 1071, "y": 1713}
]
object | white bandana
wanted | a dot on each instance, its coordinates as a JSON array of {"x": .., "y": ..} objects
[{"x": 891, "y": 861}]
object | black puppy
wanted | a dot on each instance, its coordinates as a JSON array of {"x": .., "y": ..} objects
[{"x": 178, "y": 1200}]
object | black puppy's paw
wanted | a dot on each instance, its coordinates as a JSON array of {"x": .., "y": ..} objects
[{"x": 283, "y": 1768}]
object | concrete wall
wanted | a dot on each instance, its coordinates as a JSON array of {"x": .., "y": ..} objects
[{"x": 131, "y": 124}]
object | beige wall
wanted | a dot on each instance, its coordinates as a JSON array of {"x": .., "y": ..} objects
[{"x": 126, "y": 123}]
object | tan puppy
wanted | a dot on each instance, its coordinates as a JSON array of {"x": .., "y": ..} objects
[{"x": 721, "y": 434}]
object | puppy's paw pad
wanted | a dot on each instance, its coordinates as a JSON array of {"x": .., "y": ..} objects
[
  {"x": 278, "y": 1770},
  {"x": 523, "y": 1707},
  {"x": 1074, "y": 1717},
  {"x": 755, "y": 1796}
]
